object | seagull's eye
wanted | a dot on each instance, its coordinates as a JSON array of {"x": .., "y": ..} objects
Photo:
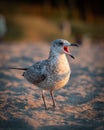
[{"x": 61, "y": 43}]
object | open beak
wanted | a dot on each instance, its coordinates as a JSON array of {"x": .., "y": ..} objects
[{"x": 66, "y": 49}]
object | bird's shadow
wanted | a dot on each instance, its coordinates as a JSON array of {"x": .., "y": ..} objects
[{"x": 15, "y": 124}]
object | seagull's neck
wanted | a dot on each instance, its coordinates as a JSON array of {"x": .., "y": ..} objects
[
  {"x": 54, "y": 54},
  {"x": 59, "y": 62},
  {"x": 57, "y": 57}
]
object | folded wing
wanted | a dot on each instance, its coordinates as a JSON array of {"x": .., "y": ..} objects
[{"x": 36, "y": 73}]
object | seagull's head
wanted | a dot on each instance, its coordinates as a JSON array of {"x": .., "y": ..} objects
[{"x": 62, "y": 46}]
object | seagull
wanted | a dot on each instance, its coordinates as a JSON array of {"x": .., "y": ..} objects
[{"x": 53, "y": 73}]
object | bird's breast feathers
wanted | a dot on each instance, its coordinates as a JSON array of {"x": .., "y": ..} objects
[{"x": 48, "y": 75}]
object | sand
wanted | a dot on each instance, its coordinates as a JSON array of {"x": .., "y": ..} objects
[{"x": 80, "y": 104}]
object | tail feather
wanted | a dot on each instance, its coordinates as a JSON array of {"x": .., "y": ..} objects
[{"x": 17, "y": 68}]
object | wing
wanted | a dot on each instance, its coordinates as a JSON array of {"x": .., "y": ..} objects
[{"x": 36, "y": 73}]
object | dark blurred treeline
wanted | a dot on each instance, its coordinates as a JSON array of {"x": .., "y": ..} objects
[
  {"x": 84, "y": 17},
  {"x": 85, "y": 7}
]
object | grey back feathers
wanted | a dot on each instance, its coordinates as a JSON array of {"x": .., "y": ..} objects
[{"x": 35, "y": 74}]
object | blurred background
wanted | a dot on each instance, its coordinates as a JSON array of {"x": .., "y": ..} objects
[
  {"x": 32, "y": 20},
  {"x": 80, "y": 104}
]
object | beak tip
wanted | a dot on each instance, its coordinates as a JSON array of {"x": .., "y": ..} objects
[
  {"x": 75, "y": 44},
  {"x": 72, "y": 57}
]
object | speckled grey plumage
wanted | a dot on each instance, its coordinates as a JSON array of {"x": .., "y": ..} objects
[
  {"x": 52, "y": 73},
  {"x": 49, "y": 74}
]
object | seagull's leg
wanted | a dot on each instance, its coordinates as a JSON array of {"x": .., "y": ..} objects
[
  {"x": 52, "y": 96},
  {"x": 43, "y": 97}
]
